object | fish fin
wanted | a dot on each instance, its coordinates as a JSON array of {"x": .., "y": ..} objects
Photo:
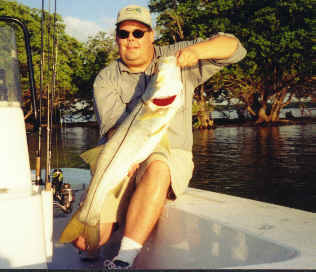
[
  {"x": 159, "y": 130},
  {"x": 91, "y": 154},
  {"x": 148, "y": 114},
  {"x": 164, "y": 142},
  {"x": 91, "y": 157},
  {"x": 73, "y": 229}
]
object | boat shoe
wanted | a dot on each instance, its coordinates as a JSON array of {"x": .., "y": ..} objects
[
  {"x": 116, "y": 265},
  {"x": 89, "y": 256}
]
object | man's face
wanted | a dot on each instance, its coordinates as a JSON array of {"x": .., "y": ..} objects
[{"x": 136, "y": 53}]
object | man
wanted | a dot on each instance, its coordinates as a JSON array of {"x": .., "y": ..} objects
[{"x": 118, "y": 88}]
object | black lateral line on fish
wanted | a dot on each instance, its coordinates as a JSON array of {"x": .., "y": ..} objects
[{"x": 130, "y": 125}]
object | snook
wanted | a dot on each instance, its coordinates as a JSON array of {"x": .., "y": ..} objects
[{"x": 132, "y": 143}]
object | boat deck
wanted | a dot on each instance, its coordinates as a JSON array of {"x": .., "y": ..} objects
[{"x": 206, "y": 230}]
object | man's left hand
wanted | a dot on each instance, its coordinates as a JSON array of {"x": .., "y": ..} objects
[{"x": 133, "y": 169}]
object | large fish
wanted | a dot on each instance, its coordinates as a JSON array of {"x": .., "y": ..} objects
[{"x": 132, "y": 143}]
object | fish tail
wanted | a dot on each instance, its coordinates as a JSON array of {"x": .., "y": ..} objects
[
  {"x": 73, "y": 230},
  {"x": 76, "y": 228}
]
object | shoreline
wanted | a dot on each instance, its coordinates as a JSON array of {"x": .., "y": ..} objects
[
  {"x": 218, "y": 122},
  {"x": 223, "y": 122}
]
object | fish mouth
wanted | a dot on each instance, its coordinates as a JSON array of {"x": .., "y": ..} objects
[{"x": 164, "y": 101}]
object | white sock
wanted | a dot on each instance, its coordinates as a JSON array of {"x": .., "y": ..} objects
[{"x": 128, "y": 251}]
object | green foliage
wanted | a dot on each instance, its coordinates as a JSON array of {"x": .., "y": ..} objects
[
  {"x": 96, "y": 53},
  {"x": 67, "y": 47},
  {"x": 276, "y": 33},
  {"x": 77, "y": 64}
]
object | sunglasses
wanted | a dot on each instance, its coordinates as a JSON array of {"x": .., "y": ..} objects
[{"x": 137, "y": 33}]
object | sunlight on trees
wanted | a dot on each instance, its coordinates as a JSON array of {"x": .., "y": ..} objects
[{"x": 276, "y": 33}]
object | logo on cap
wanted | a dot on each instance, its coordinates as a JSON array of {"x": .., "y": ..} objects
[{"x": 134, "y": 9}]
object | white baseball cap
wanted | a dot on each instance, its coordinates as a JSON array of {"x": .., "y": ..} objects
[{"x": 135, "y": 13}]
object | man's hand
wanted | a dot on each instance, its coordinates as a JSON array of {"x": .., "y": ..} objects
[
  {"x": 110, "y": 133},
  {"x": 187, "y": 57},
  {"x": 133, "y": 169},
  {"x": 218, "y": 47},
  {"x": 80, "y": 243}
]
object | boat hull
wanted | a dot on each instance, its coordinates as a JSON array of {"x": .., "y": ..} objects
[
  {"x": 26, "y": 231},
  {"x": 25, "y": 210}
]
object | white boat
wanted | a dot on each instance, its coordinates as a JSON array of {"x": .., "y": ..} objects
[
  {"x": 200, "y": 230},
  {"x": 207, "y": 230},
  {"x": 25, "y": 210}
]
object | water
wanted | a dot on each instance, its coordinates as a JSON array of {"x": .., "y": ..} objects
[{"x": 271, "y": 164}]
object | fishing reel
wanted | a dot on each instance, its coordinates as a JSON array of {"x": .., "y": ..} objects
[{"x": 62, "y": 192}]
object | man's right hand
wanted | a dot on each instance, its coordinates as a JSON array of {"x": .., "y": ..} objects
[
  {"x": 80, "y": 243},
  {"x": 110, "y": 133}
]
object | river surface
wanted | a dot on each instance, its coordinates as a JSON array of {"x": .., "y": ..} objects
[{"x": 272, "y": 164}]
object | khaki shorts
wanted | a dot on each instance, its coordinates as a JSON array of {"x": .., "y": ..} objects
[{"x": 181, "y": 169}]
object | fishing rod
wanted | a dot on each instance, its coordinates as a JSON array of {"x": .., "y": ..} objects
[
  {"x": 39, "y": 150},
  {"x": 62, "y": 192},
  {"x": 49, "y": 106},
  {"x": 54, "y": 76}
]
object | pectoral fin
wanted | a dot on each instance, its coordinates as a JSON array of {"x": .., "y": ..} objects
[
  {"x": 158, "y": 130},
  {"x": 91, "y": 156},
  {"x": 164, "y": 142},
  {"x": 148, "y": 114}
]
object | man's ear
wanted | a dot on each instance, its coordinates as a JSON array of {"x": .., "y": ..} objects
[{"x": 152, "y": 35}]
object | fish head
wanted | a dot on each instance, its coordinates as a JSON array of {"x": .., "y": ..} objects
[{"x": 165, "y": 88}]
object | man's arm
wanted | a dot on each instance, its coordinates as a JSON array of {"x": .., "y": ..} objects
[
  {"x": 219, "y": 47},
  {"x": 109, "y": 107}
]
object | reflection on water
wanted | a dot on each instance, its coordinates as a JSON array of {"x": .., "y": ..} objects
[
  {"x": 68, "y": 144},
  {"x": 271, "y": 164}
]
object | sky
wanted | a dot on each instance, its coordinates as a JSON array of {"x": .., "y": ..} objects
[{"x": 85, "y": 18}]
